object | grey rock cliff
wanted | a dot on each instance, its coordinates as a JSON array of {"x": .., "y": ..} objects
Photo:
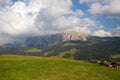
[{"x": 73, "y": 35}]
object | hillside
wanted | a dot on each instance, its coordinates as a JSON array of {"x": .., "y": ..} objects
[
  {"x": 37, "y": 68},
  {"x": 92, "y": 49}
]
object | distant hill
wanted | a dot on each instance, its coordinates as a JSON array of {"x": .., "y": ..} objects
[
  {"x": 68, "y": 45},
  {"x": 37, "y": 68}
]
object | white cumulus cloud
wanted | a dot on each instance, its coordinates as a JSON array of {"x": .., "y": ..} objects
[
  {"x": 110, "y": 7},
  {"x": 17, "y": 20},
  {"x": 116, "y": 32},
  {"x": 102, "y": 33}
]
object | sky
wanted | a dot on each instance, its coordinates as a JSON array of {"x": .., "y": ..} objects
[{"x": 20, "y": 19}]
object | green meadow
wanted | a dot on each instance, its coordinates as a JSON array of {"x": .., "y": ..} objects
[{"x": 14, "y": 67}]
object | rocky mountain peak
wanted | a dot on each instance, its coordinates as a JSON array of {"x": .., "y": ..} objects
[{"x": 73, "y": 35}]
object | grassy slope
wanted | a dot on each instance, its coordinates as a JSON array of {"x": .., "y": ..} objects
[
  {"x": 71, "y": 52},
  {"x": 35, "y": 68},
  {"x": 32, "y": 50}
]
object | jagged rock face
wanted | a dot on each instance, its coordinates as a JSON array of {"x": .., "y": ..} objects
[{"x": 73, "y": 35}]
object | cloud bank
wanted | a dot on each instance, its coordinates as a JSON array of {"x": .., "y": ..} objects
[{"x": 102, "y": 33}]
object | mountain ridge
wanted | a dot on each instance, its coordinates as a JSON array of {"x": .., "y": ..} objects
[{"x": 56, "y": 38}]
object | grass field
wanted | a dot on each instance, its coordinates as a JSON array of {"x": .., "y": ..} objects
[
  {"x": 33, "y": 50},
  {"x": 36, "y": 68},
  {"x": 71, "y": 52}
]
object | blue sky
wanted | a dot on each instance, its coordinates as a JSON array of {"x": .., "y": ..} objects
[
  {"x": 77, "y": 6},
  {"x": 105, "y": 19},
  {"x": 26, "y": 18}
]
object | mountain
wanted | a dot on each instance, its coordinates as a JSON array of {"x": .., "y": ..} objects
[
  {"x": 41, "y": 41},
  {"x": 69, "y": 44},
  {"x": 46, "y": 40}
]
